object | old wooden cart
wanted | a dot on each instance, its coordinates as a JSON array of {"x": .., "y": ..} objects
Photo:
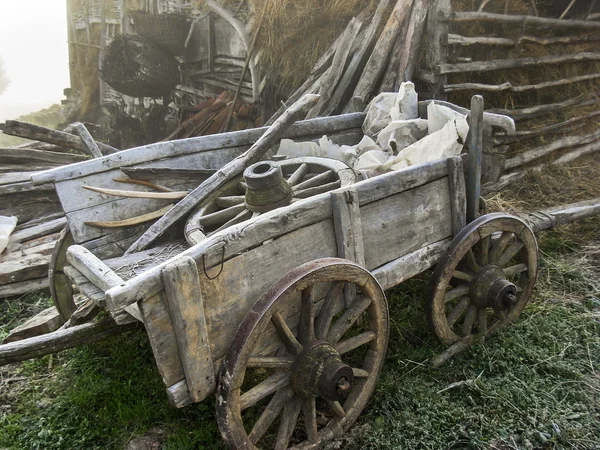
[{"x": 284, "y": 315}]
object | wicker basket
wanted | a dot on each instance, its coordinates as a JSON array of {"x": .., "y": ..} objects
[
  {"x": 138, "y": 68},
  {"x": 169, "y": 31}
]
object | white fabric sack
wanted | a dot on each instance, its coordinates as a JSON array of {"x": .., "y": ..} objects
[
  {"x": 441, "y": 144},
  {"x": 406, "y": 106},
  {"x": 378, "y": 113},
  {"x": 7, "y": 226},
  {"x": 438, "y": 116},
  {"x": 399, "y": 134}
]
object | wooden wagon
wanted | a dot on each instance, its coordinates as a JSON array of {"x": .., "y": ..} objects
[{"x": 284, "y": 314}]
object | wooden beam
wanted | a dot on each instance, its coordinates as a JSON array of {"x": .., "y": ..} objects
[
  {"x": 527, "y": 87},
  {"x": 60, "y": 340},
  {"x": 38, "y": 133},
  {"x": 456, "y": 39},
  {"x": 535, "y": 111},
  {"x": 521, "y": 20},
  {"x": 458, "y": 194},
  {"x": 184, "y": 298},
  {"x": 484, "y": 66}
]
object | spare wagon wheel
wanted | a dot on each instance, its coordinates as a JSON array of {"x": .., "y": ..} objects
[
  {"x": 317, "y": 366},
  {"x": 482, "y": 282},
  {"x": 61, "y": 288},
  {"x": 265, "y": 186}
]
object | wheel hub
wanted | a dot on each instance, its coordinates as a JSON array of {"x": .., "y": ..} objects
[
  {"x": 319, "y": 371},
  {"x": 491, "y": 289},
  {"x": 267, "y": 189}
]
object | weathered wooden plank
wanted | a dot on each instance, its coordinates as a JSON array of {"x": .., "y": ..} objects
[
  {"x": 60, "y": 340},
  {"x": 38, "y": 133},
  {"x": 456, "y": 39},
  {"x": 401, "y": 269},
  {"x": 358, "y": 61},
  {"x": 348, "y": 226},
  {"x": 484, "y": 66},
  {"x": 348, "y": 233},
  {"x": 29, "y": 157},
  {"x": 522, "y": 20},
  {"x": 545, "y": 150},
  {"x": 184, "y": 298},
  {"x": 161, "y": 150},
  {"x": 37, "y": 231},
  {"x": 88, "y": 141},
  {"x": 24, "y": 268},
  {"x": 540, "y": 110},
  {"x": 45, "y": 322},
  {"x": 85, "y": 286},
  {"x": 403, "y": 223},
  {"x": 98, "y": 273},
  {"x": 330, "y": 79},
  {"x": 475, "y": 157},
  {"x": 230, "y": 295},
  {"x": 377, "y": 62},
  {"x": 458, "y": 194},
  {"x": 163, "y": 341},
  {"x": 23, "y": 287}
]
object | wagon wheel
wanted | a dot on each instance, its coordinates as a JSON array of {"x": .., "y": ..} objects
[
  {"x": 326, "y": 369},
  {"x": 60, "y": 286},
  {"x": 263, "y": 188},
  {"x": 483, "y": 281}
]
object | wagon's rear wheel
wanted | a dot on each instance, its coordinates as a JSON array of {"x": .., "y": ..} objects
[
  {"x": 265, "y": 186},
  {"x": 318, "y": 364},
  {"x": 61, "y": 288},
  {"x": 483, "y": 281}
]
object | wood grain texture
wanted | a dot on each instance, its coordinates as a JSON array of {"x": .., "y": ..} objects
[{"x": 184, "y": 298}]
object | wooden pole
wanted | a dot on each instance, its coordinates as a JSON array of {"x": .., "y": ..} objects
[
  {"x": 226, "y": 173},
  {"x": 475, "y": 156},
  {"x": 522, "y": 20}
]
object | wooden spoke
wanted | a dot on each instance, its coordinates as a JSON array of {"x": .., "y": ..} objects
[
  {"x": 242, "y": 187},
  {"x": 472, "y": 261},
  {"x": 291, "y": 410},
  {"x": 457, "y": 292},
  {"x": 354, "y": 342},
  {"x": 320, "y": 179},
  {"x": 270, "y": 413},
  {"x": 305, "y": 193},
  {"x": 513, "y": 270},
  {"x": 286, "y": 335},
  {"x": 306, "y": 330},
  {"x": 271, "y": 362},
  {"x": 482, "y": 320},
  {"x": 347, "y": 319},
  {"x": 329, "y": 309},
  {"x": 309, "y": 409},
  {"x": 484, "y": 251},
  {"x": 273, "y": 383},
  {"x": 469, "y": 320},
  {"x": 298, "y": 175},
  {"x": 337, "y": 407},
  {"x": 499, "y": 245},
  {"x": 360, "y": 373},
  {"x": 241, "y": 217},
  {"x": 458, "y": 310},
  {"x": 226, "y": 202},
  {"x": 510, "y": 253},
  {"x": 220, "y": 217},
  {"x": 464, "y": 276}
]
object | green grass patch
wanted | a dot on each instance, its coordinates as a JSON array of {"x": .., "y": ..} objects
[{"x": 534, "y": 385}]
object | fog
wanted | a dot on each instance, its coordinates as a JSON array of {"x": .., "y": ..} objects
[{"x": 33, "y": 43}]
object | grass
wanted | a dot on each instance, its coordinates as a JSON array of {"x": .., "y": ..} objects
[{"x": 535, "y": 385}]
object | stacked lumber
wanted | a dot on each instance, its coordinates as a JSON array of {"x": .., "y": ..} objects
[
  {"x": 24, "y": 263},
  {"x": 371, "y": 56},
  {"x": 211, "y": 116}
]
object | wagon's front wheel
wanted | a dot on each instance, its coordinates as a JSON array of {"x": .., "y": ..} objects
[
  {"x": 301, "y": 367},
  {"x": 482, "y": 282}
]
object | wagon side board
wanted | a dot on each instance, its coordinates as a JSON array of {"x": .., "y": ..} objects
[{"x": 396, "y": 225}]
